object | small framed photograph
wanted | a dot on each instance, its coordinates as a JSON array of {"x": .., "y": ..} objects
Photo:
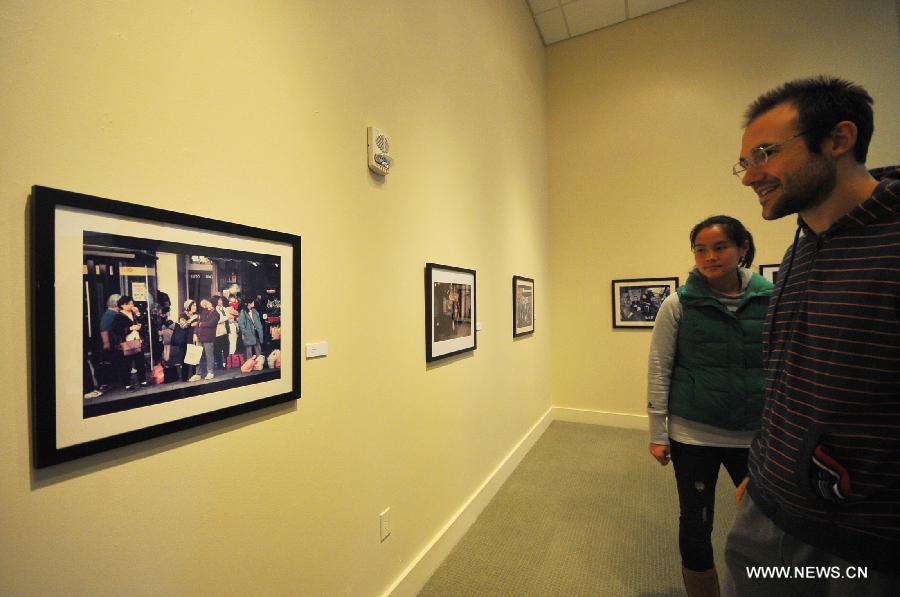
[
  {"x": 449, "y": 311},
  {"x": 770, "y": 271},
  {"x": 176, "y": 321},
  {"x": 523, "y": 306},
  {"x": 636, "y": 301}
]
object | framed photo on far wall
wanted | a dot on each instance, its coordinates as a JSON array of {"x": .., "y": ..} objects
[
  {"x": 449, "y": 311},
  {"x": 127, "y": 301},
  {"x": 523, "y": 306},
  {"x": 636, "y": 301},
  {"x": 770, "y": 271}
]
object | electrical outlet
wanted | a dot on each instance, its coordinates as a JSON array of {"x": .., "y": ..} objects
[{"x": 385, "y": 519}]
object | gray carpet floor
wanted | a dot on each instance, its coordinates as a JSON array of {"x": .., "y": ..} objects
[{"x": 587, "y": 512}]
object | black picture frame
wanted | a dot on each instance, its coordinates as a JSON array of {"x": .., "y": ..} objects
[
  {"x": 636, "y": 301},
  {"x": 450, "y": 311},
  {"x": 74, "y": 231},
  {"x": 769, "y": 271},
  {"x": 522, "y": 306}
]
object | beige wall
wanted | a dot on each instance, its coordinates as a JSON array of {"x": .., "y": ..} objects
[
  {"x": 256, "y": 112},
  {"x": 644, "y": 125}
]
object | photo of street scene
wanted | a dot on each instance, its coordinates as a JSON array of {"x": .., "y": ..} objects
[
  {"x": 641, "y": 303},
  {"x": 452, "y": 311},
  {"x": 166, "y": 321},
  {"x": 524, "y": 304}
]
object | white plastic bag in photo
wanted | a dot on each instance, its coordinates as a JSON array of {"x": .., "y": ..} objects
[{"x": 193, "y": 354}]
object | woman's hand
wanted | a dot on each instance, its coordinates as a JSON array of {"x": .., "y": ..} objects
[{"x": 661, "y": 453}]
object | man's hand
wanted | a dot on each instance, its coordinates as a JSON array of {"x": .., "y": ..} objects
[
  {"x": 660, "y": 452},
  {"x": 740, "y": 490}
]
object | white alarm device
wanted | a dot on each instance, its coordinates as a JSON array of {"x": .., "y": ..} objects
[{"x": 379, "y": 144}]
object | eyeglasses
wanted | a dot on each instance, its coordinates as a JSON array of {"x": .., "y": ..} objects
[{"x": 759, "y": 156}]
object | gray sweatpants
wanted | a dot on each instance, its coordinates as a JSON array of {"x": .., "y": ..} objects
[
  {"x": 761, "y": 560},
  {"x": 208, "y": 361}
]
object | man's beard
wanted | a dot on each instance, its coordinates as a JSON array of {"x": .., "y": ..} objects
[{"x": 807, "y": 188}]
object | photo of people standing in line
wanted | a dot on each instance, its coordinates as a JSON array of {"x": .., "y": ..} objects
[
  {"x": 165, "y": 321},
  {"x": 641, "y": 303}
]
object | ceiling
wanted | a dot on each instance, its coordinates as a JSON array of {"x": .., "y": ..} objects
[{"x": 561, "y": 19}]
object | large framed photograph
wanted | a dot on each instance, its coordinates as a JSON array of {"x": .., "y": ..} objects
[
  {"x": 147, "y": 321},
  {"x": 636, "y": 301},
  {"x": 770, "y": 271},
  {"x": 523, "y": 306},
  {"x": 449, "y": 311}
]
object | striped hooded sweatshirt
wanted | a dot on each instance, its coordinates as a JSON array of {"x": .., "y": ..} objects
[{"x": 831, "y": 360}]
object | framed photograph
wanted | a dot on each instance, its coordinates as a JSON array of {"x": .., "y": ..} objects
[
  {"x": 449, "y": 311},
  {"x": 176, "y": 321},
  {"x": 523, "y": 306},
  {"x": 770, "y": 271},
  {"x": 636, "y": 302}
]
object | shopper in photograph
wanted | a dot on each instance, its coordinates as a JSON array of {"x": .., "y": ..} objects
[
  {"x": 220, "y": 349},
  {"x": 250, "y": 326},
  {"x": 127, "y": 327},
  {"x": 208, "y": 321},
  {"x": 232, "y": 314},
  {"x": 182, "y": 335},
  {"x": 110, "y": 356},
  {"x": 705, "y": 383},
  {"x": 165, "y": 331},
  {"x": 823, "y": 489}
]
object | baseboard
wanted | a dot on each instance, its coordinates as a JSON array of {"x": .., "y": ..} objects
[
  {"x": 414, "y": 577},
  {"x": 599, "y": 417},
  {"x": 411, "y": 580}
]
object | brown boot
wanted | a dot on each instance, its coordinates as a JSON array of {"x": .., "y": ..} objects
[{"x": 700, "y": 584}]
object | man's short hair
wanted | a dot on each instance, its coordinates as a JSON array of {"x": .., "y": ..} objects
[
  {"x": 112, "y": 301},
  {"x": 821, "y": 103}
]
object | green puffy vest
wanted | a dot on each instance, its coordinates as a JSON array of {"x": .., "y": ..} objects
[{"x": 717, "y": 378}]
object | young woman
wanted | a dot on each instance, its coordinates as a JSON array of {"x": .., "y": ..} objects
[
  {"x": 223, "y": 328},
  {"x": 182, "y": 335},
  {"x": 127, "y": 326},
  {"x": 705, "y": 383}
]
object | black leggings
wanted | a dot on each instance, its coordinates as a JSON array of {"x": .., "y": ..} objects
[
  {"x": 220, "y": 350},
  {"x": 696, "y": 473}
]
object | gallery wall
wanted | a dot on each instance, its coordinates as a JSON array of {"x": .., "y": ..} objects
[
  {"x": 257, "y": 113},
  {"x": 644, "y": 122}
]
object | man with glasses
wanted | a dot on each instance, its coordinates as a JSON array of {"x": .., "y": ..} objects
[{"x": 822, "y": 501}]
